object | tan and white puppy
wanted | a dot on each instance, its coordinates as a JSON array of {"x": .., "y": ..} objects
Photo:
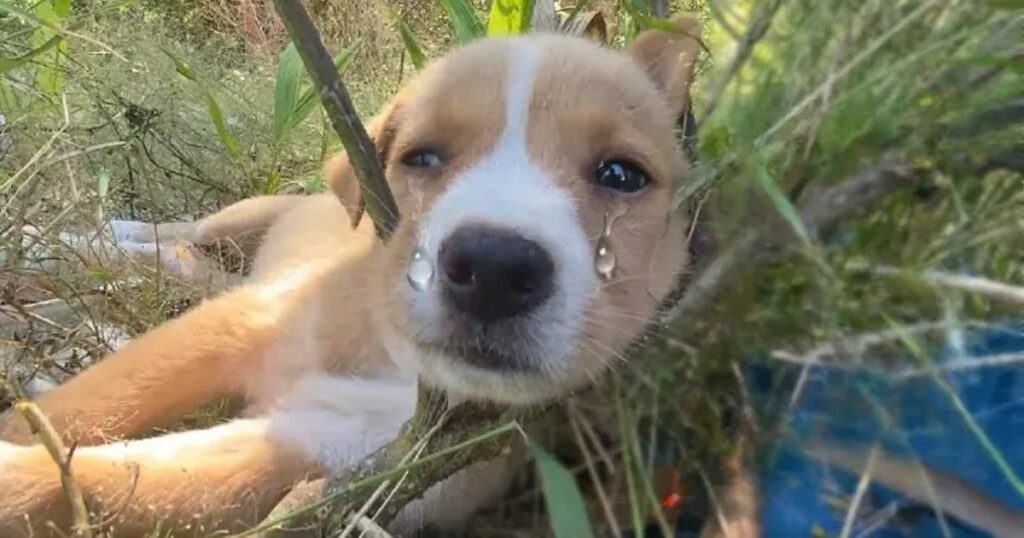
[{"x": 510, "y": 159}]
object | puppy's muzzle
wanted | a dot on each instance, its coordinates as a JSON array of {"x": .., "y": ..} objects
[{"x": 490, "y": 274}]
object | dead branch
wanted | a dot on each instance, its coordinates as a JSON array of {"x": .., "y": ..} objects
[
  {"x": 62, "y": 457},
  {"x": 331, "y": 503}
]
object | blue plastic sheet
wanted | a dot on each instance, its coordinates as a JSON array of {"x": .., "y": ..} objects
[{"x": 911, "y": 417}]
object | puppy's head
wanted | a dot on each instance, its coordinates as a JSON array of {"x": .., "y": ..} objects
[{"x": 510, "y": 159}]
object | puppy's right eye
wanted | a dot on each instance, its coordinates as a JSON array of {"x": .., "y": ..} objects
[{"x": 423, "y": 158}]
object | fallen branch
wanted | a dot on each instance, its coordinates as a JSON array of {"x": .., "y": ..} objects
[
  {"x": 62, "y": 457},
  {"x": 467, "y": 435}
]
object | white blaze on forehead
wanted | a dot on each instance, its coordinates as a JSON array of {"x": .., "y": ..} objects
[{"x": 506, "y": 189}]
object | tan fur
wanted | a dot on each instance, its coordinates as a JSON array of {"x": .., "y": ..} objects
[
  {"x": 133, "y": 493},
  {"x": 321, "y": 294}
]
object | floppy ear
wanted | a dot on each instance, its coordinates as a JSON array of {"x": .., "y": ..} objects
[
  {"x": 340, "y": 176},
  {"x": 670, "y": 58}
]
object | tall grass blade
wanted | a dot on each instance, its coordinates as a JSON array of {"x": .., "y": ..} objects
[
  {"x": 213, "y": 109},
  {"x": 782, "y": 204},
  {"x": 295, "y": 97},
  {"x": 49, "y": 76},
  {"x": 8, "y": 64},
  {"x": 509, "y": 17},
  {"x": 227, "y": 138},
  {"x": 286, "y": 89},
  {"x": 308, "y": 99},
  {"x": 21, "y": 13},
  {"x": 182, "y": 68},
  {"x": 568, "y": 513},
  {"x": 412, "y": 45},
  {"x": 464, "y": 20}
]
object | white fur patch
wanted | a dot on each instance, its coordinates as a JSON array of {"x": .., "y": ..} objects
[
  {"x": 289, "y": 359},
  {"x": 507, "y": 189},
  {"x": 337, "y": 421}
]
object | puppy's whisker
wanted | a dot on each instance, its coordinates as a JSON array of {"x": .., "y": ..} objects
[
  {"x": 598, "y": 315},
  {"x": 609, "y": 351}
]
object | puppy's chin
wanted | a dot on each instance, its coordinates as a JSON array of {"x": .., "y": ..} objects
[
  {"x": 471, "y": 377},
  {"x": 487, "y": 376}
]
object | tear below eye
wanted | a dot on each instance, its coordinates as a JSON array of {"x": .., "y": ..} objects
[
  {"x": 426, "y": 159},
  {"x": 622, "y": 176}
]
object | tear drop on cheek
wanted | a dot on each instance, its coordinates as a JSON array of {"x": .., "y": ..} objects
[
  {"x": 605, "y": 262},
  {"x": 421, "y": 271},
  {"x": 604, "y": 258}
]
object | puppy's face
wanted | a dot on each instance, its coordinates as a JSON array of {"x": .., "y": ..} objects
[{"x": 510, "y": 159}]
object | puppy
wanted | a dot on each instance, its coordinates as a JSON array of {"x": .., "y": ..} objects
[{"x": 535, "y": 179}]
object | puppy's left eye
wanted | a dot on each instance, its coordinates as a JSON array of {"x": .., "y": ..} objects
[
  {"x": 621, "y": 175},
  {"x": 422, "y": 159}
]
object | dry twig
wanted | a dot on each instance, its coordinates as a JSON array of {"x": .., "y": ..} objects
[{"x": 62, "y": 457}]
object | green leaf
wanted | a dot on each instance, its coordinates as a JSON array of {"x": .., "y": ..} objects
[
  {"x": 782, "y": 204},
  {"x": 12, "y": 63},
  {"x": 62, "y": 8},
  {"x": 273, "y": 184},
  {"x": 286, "y": 89},
  {"x": 309, "y": 99},
  {"x": 464, "y": 20},
  {"x": 568, "y": 513},
  {"x": 509, "y": 17},
  {"x": 412, "y": 45},
  {"x": 638, "y": 7},
  {"x": 22, "y": 14},
  {"x": 295, "y": 97},
  {"x": 181, "y": 67},
  {"x": 49, "y": 76},
  {"x": 227, "y": 138},
  {"x": 225, "y": 135}
]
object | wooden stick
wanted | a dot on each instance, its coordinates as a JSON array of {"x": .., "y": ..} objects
[
  {"x": 62, "y": 457},
  {"x": 380, "y": 202}
]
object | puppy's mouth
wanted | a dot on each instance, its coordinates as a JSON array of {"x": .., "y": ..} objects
[
  {"x": 500, "y": 347},
  {"x": 485, "y": 358}
]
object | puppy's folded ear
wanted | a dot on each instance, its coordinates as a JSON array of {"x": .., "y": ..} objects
[
  {"x": 340, "y": 176},
  {"x": 670, "y": 58}
]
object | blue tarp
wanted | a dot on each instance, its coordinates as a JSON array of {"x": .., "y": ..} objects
[{"x": 913, "y": 417}]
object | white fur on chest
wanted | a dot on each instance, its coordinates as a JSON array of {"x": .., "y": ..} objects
[{"x": 337, "y": 421}]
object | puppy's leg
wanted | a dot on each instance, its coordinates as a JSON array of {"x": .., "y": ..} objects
[
  {"x": 240, "y": 225},
  {"x": 207, "y": 353},
  {"x": 224, "y": 478}
]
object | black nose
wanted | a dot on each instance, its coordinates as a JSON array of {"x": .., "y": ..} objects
[{"x": 490, "y": 273}]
